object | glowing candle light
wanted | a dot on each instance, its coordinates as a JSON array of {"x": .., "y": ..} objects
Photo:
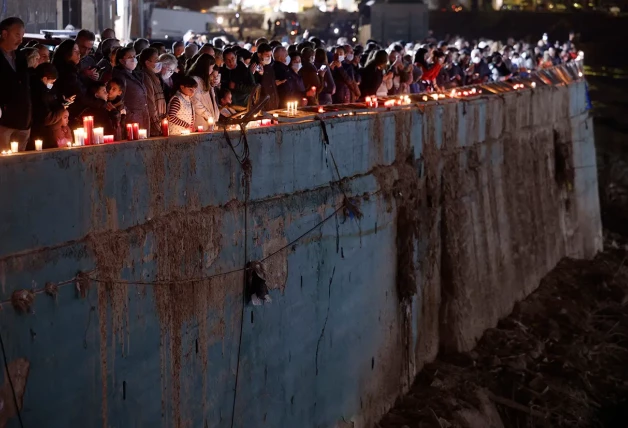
[
  {"x": 142, "y": 134},
  {"x": 99, "y": 135},
  {"x": 136, "y": 131},
  {"x": 425, "y": 98},
  {"x": 39, "y": 145},
  {"x": 533, "y": 84},
  {"x": 108, "y": 139},
  {"x": 14, "y": 147},
  {"x": 369, "y": 103},
  {"x": 200, "y": 128},
  {"x": 165, "y": 131},
  {"x": 88, "y": 134},
  {"x": 129, "y": 131},
  {"x": 69, "y": 143},
  {"x": 435, "y": 97},
  {"x": 580, "y": 74},
  {"x": 321, "y": 110},
  {"x": 79, "y": 137},
  {"x": 185, "y": 132},
  {"x": 210, "y": 122}
]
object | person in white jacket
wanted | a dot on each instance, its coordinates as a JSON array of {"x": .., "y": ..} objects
[{"x": 205, "y": 106}]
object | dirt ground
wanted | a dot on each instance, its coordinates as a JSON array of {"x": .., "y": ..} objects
[{"x": 561, "y": 358}]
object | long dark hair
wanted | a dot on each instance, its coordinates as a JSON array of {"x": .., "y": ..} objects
[
  {"x": 62, "y": 54},
  {"x": 379, "y": 59},
  {"x": 120, "y": 54},
  {"x": 320, "y": 56},
  {"x": 201, "y": 69},
  {"x": 419, "y": 58},
  {"x": 145, "y": 56}
]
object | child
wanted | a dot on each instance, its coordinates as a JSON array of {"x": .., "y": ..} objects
[
  {"x": 115, "y": 91},
  {"x": 180, "y": 107},
  {"x": 103, "y": 117},
  {"x": 46, "y": 106},
  {"x": 60, "y": 132},
  {"x": 224, "y": 102}
]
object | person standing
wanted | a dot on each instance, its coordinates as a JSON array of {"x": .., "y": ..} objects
[
  {"x": 203, "y": 97},
  {"x": 15, "y": 96},
  {"x": 149, "y": 67},
  {"x": 135, "y": 99},
  {"x": 265, "y": 76}
]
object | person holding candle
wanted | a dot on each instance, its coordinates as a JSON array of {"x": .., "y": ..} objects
[
  {"x": 181, "y": 108},
  {"x": 312, "y": 77},
  {"x": 225, "y": 99},
  {"x": 15, "y": 96},
  {"x": 328, "y": 88},
  {"x": 59, "y": 131},
  {"x": 204, "y": 99},
  {"x": 372, "y": 74},
  {"x": 149, "y": 67},
  {"x": 135, "y": 94}
]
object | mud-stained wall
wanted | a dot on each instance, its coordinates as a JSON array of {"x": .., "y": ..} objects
[{"x": 457, "y": 210}]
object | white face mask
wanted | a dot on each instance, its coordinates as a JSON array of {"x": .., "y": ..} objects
[
  {"x": 341, "y": 58},
  {"x": 476, "y": 60},
  {"x": 297, "y": 66},
  {"x": 266, "y": 61},
  {"x": 130, "y": 64},
  {"x": 287, "y": 60},
  {"x": 349, "y": 57},
  {"x": 157, "y": 68},
  {"x": 49, "y": 85}
]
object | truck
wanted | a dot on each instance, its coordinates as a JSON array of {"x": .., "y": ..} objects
[{"x": 165, "y": 24}]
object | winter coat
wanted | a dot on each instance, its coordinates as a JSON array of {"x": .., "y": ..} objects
[
  {"x": 205, "y": 104},
  {"x": 155, "y": 99},
  {"x": 68, "y": 84},
  {"x": 135, "y": 97},
  {"x": 15, "y": 96}
]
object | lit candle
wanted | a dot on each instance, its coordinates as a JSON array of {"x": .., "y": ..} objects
[
  {"x": 185, "y": 132},
  {"x": 69, "y": 143},
  {"x": 129, "y": 131},
  {"x": 533, "y": 84},
  {"x": 142, "y": 134},
  {"x": 136, "y": 131},
  {"x": 200, "y": 128},
  {"x": 39, "y": 145},
  {"x": 164, "y": 128},
  {"x": 424, "y": 97},
  {"x": 98, "y": 135},
  {"x": 321, "y": 110},
  {"x": 79, "y": 136},
  {"x": 4, "y": 153},
  {"x": 368, "y": 102},
  {"x": 14, "y": 147},
  {"x": 275, "y": 115},
  {"x": 107, "y": 139},
  {"x": 88, "y": 134}
]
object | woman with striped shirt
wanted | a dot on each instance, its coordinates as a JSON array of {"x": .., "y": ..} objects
[{"x": 181, "y": 107}]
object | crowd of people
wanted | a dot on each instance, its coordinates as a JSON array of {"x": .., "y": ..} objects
[{"x": 46, "y": 94}]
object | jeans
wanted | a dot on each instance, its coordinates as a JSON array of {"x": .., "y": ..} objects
[{"x": 7, "y": 135}]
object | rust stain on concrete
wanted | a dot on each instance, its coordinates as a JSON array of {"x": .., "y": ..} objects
[{"x": 18, "y": 370}]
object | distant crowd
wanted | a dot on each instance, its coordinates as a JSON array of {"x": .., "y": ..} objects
[{"x": 45, "y": 95}]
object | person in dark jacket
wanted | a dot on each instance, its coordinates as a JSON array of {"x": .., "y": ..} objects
[
  {"x": 46, "y": 106},
  {"x": 297, "y": 89},
  {"x": 69, "y": 84},
  {"x": 312, "y": 77},
  {"x": 135, "y": 97},
  {"x": 372, "y": 74},
  {"x": 237, "y": 77},
  {"x": 15, "y": 96},
  {"x": 266, "y": 76},
  {"x": 328, "y": 89},
  {"x": 87, "y": 65},
  {"x": 346, "y": 87},
  {"x": 282, "y": 75},
  {"x": 148, "y": 68},
  {"x": 107, "y": 119}
]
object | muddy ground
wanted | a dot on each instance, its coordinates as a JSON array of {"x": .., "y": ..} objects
[{"x": 561, "y": 358}]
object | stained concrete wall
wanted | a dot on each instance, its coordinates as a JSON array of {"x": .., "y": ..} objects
[{"x": 464, "y": 207}]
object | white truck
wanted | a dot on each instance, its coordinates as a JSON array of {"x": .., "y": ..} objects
[{"x": 167, "y": 24}]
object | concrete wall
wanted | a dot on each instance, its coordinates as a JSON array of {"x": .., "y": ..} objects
[{"x": 465, "y": 206}]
